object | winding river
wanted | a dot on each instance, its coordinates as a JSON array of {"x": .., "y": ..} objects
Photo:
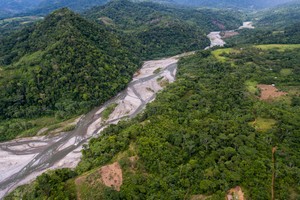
[{"x": 22, "y": 160}]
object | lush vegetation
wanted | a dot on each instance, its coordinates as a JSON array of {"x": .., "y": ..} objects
[
  {"x": 280, "y": 16},
  {"x": 64, "y": 65},
  {"x": 160, "y": 30},
  {"x": 9, "y": 25},
  {"x": 289, "y": 35},
  {"x": 208, "y": 132},
  {"x": 280, "y": 25},
  {"x": 61, "y": 66},
  {"x": 51, "y": 184}
]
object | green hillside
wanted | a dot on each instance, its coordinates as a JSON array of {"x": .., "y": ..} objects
[
  {"x": 9, "y": 25},
  {"x": 61, "y": 66},
  {"x": 205, "y": 134},
  {"x": 162, "y": 30},
  {"x": 279, "y": 25},
  {"x": 280, "y": 16}
]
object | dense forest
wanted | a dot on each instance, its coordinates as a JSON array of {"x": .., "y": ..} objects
[
  {"x": 61, "y": 66},
  {"x": 279, "y": 25},
  {"x": 162, "y": 30},
  {"x": 230, "y": 120},
  {"x": 64, "y": 65},
  {"x": 206, "y": 133},
  {"x": 9, "y": 25}
]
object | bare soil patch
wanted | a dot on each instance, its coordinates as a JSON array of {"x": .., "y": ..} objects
[
  {"x": 269, "y": 92},
  {"x": 228, "y": 34},
  {"x": 235, "y": 194},
  {"x": 112, "y": 176}
]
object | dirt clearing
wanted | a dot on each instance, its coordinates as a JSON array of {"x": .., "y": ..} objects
[
  {"x": 269, "y": 92},
  {"x": 235, "y": 194},
  {"x": 112, "y": 176}
]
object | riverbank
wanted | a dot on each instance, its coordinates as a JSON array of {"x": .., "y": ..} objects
[
  {"x": 217, "y": 37},
  {"x": 22, "y": 160}
]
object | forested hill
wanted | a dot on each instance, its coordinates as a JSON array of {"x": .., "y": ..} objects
[
  {"x": 130, "y": 15},
  {"x": 63, "y": 66},
  {"x": 163, "y": 30},
  {"x": 279, "y": 25},
  {"x": 280, "y": 16},
  {"x": 210, "y": 131}
]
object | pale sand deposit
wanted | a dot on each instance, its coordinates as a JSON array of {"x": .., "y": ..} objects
[
  {"x": 248, "y": 25},
  {"x": 22, "y": 160}
]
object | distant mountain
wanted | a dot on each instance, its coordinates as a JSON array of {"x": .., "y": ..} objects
[
  {"x": 226, "y": 3},
  {"x": 62, "y": 65},
  {"x": 47, "y": 6},
  {"x": 162, "y": 29},
  {"x": 11, "y": 7},
  {"x": 278, "y": 25},
  {"x": 280, "y": 16}
]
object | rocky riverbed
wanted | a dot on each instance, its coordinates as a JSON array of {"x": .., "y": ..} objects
[{"x": 22, "y": 160}]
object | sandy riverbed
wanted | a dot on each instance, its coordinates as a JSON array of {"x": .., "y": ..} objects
[{"x": 22, "y": 160}]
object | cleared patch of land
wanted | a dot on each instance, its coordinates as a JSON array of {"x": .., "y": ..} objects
[
  {"x": 263, "y": 124},
  {"x": 235, "y": 194},
  {"x": 269, "y": 92},
  {"x": 111, "y": 176},
  {"x": 219, "y": 52}
]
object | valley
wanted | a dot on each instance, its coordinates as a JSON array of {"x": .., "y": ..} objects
[
  {"x": 22, "y": 160},
  {"x": 30, "y": 157},
  {"x": 94, "y": 104}
]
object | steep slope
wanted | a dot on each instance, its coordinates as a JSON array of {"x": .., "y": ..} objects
[
  {"x": 161, "y": 29},
  {"x": 63, "y": 66},
  {"x": 8, "y": 25},
  {"x": 280, "y": 16},
  {"x": 210, "y": 131}
]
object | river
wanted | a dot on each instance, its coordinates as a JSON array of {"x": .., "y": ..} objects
[
  {"x": 217, "y": 40},
  {"x": 22, "y": 160}
]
